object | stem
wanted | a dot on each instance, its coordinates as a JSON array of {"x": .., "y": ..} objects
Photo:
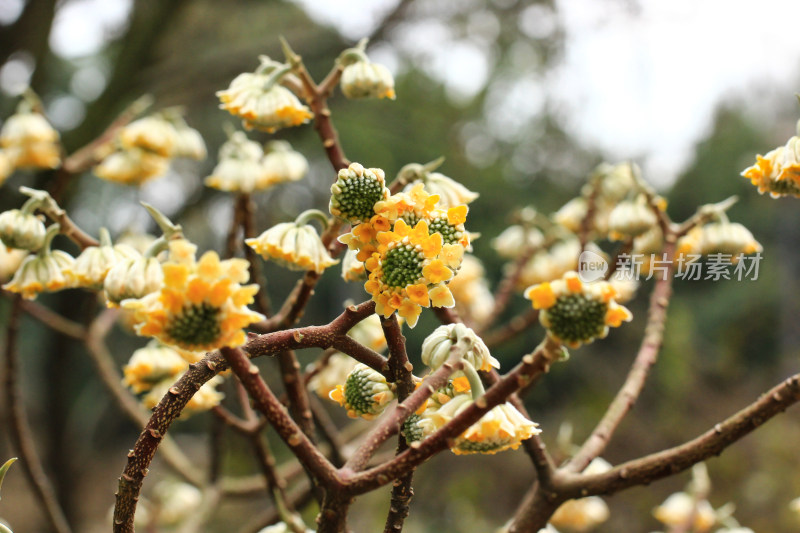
[
  {"x": 401, "y": 369},
  {"x": 634, "y": 383},
  {"x": 20, "y": 430}
]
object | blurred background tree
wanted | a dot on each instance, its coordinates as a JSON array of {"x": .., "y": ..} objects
[{"x": 472, "y": 86}]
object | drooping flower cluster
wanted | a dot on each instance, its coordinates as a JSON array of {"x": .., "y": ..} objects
[
  {"x": 501, "y": 428},
  {"x": 27, "y": 140},
  {"x": 201, "y": 305},
  {"x": 294, "y": 245},
  {"x": 778, "y": 172},
  {"x": 261, "y": 102},
  {"x": 575, "y": 312},
  {"x": 583, "y": 514},
  {"x": 243, "y": 167},
  {"x": 45, "y": 271},
  {"x": 143, "y": 149},
  {"x": 91, "y": 267},
  {"x": 410, "y": 247},
  {"x": 361, "y": 78}
]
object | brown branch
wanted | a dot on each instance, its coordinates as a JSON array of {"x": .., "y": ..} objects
[
  {"x": 517, "y": 325},
  {"x": 262, "y": 301},
  {"x": 677, "y": 459},
  {"x": 532, "y": 365},
  {"x": 401, "y": 369},
  {"x": 634, "y": 383},
  {"x": 505, "y": 289},
  {"x": 279, "y": 418},
  {"x": 348, "y": 345},
  {"x": 53, "y": 320},
  {"x": 106, "y": 369},
  {"x": 20, "y": 431}
]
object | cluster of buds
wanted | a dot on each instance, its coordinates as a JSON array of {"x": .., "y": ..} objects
[
  {"x": 143, "y": 149},
  {"x": 27, "y": 140},
  {"x": 409, "y": 245},
  {"x": 361, "y": 78},
  {"x": 295, "y": 245},
  {"x": 245, "y": 167},
  {"x": 259, "y": 99},
  {"x": 502, "y": 428}
]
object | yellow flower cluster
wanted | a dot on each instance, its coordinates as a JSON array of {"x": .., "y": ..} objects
[
  {"x": 365, "y": 393},
  {"x": 201, "y": 305},
  {"x": 261, "y": 102},
  {"x": 296, "y": 246},
  {"x": 575, "y": 312},
  {"x": 143, "y": 149},
  {"x": 411, "y": 249},
  {"x": 27, "y": 140},
  {"x": 778, "y": 172},
  {"x": 502, "y": 428}
]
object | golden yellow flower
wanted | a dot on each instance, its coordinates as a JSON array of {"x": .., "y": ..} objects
[
  {"x": 407, "y": 273},
  {"x": 575, "y": 312},
  {"x": 202, "y": 304},
  {"x": 450, "y": 192}
]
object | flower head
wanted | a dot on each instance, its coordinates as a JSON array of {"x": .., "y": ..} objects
[
  {"x": 295, "y": 245},
  {"x": 352, "y": 268},
  {"x": 356, "y": 191},
  {"x": 362, "y": 78},
  {"x": 470, "y": 289},
  {"x": 132, "y": 278},
  {"x": 153, "y": 134},
  {"x": 177, "y": 501},
  {"x": 20, "y": 228},
  {"x": 515, "y": 239},
  {"x": 727, "y": 238},
  {"x": 189, "y": 143},
  {"x": 93, "y": 264},
  {"x": 630, "y": 219},
  {"x": 436, "y": 347},
  {"x": 365, "y": 393},
  {"x": 680, "y": 507},
  {"x": 281, "y": 163},
  {"x": 581, "y": 515},
  {"x": 239, "y": 168},
  {"x": 29, "y": 140},
  {"x": 10, "y": 260},
  {"x": 261, "y": 102},
  {"x": 778, "y": 172},
  {"x": 201, "y": 305},
  {"x": 575, "y": 312},
  {"x": 151, "y": 365},
  {"x": 132, "y": 166},
  {"x": 503, "y": 427},
  {"x": 46, "y": 271},
  {"x": 450, "y": 192}
]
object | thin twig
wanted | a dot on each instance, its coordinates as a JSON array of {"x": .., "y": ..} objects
[
  {"x": 637, "y": 376},
  {"x": 20, "y": 430},
  {"x": 53, "y": 320}
]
